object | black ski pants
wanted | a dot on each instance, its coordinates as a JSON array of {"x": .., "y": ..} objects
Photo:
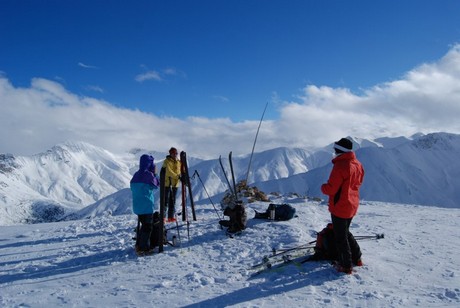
[
  {"x": 170, "y": 201},
  {"x": 146, "y": 221},
  {"x": 348, "y": 249}
]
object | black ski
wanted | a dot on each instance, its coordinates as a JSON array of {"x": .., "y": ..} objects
[
  {"x": 162, "y": 208},
  {"x": 225, "y": 175},
  {"x": 184, "y": 213},
  {"x": 233, "y": 176},
  {"x": 178, "y": 235},
  {"x": 184, "y": 166}
]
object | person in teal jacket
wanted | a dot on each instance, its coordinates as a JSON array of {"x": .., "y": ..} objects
[{"x": 142, "y": 185}]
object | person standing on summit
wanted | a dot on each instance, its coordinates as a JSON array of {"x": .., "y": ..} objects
[
  {"x": 342, "y": 188},
  {"x": 143, "y": 184},
  {"x": 172, "y": 171}
]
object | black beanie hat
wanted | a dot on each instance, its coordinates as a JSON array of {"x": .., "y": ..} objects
[{"x": 343, "y": 145}]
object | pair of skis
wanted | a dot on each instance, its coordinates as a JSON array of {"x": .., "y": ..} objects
[
  {"x": 186, "y": 185},
  {"x": 277, "y": 263},
  {"x": 284, "y": 257},
  {"x": 296, "y": 255},
  {"x": 233, "y": 190}
]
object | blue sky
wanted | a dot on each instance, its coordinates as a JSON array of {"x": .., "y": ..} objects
[{"x": 220, "y": 60}]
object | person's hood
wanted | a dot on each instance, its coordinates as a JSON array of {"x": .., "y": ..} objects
[{"x": 145, "y": 162}]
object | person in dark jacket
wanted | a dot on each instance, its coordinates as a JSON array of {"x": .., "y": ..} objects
[
  {"x": 142, "y": 187},
  {"x": 342, "y": 188}
]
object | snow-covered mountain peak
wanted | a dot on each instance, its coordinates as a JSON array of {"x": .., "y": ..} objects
[
  {"x": 7, "y": 163},
  {"x": 437, "y": 141},
  {"x": 74, "y": 175}
]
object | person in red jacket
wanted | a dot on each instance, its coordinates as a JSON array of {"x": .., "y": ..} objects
[{"x": 342, "y": 188}]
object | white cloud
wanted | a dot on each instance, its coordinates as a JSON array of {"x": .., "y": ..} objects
[
  {"x": 174, "y": 72},
  {"x": 426, "y": 99},
  {"x": 94, "y": 88},
  {"x": 87, "y": 66},
  {"x": 150, "y": 75},
  {"x": 221, "y": 98}
]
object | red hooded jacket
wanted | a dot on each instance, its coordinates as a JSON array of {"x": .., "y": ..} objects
[{"x": 343, "y": 185}]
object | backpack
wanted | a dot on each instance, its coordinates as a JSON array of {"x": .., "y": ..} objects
[
  {"x": 325, "y": 248},
  {"x": 282, "y": 212},
  {"x": 238, "y": 218},
  {"x": 155, "y": 235}
]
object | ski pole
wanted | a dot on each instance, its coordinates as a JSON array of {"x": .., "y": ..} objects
[
  {"x": 370, "y": 237},
  {"x": 255, "y": 141},
  {"x": 276, "y": 252},
  {"x": 180, "y": 226},
  {"x": 205, "y": 190},
  {"x": 138, "y": 230}
]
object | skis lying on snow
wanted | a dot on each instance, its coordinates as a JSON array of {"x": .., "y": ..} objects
[
  {"x": 296, "y": 255},
  {"x": 273, "y": 263},
  {"x": 281, "y": 256}
]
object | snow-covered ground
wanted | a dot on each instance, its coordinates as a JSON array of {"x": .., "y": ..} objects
[{"x": 91, "y": 263}]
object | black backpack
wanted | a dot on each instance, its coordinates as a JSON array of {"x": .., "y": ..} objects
[
  {"x": 282, "y": 212},
  {"x": 238, "y": 217}
]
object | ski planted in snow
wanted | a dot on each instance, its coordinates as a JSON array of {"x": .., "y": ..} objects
[
  {"x": 225, "y": 175},
  {"x": 233, "y": 176},
  {"x": 184, "y": 212},
  {"x": 239, "y": 207},
  {"x": 184, "y": 166},
  {"x": 162, "y": 208}
]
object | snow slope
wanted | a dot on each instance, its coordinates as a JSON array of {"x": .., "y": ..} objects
[{"x": 91, "y": 263}]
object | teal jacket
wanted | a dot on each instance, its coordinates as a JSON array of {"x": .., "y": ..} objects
[{"x": 143, "y": 185}]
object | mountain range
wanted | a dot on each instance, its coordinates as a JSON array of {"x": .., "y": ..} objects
[{"x": 77, "y": 179}]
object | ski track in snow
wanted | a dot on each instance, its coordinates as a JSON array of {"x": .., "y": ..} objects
[{"x": 91, "y": 263}]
